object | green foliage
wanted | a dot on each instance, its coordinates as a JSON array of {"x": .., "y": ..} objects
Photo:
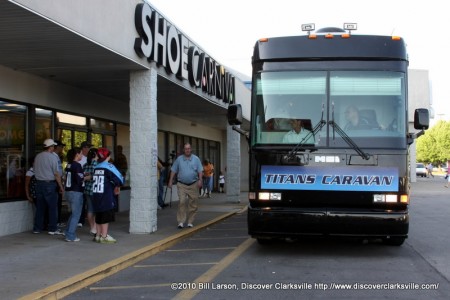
[
  {"x": 96, "y": 140},
  {"x": 434, "y": 145}
]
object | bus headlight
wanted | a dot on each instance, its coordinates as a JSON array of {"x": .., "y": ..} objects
[
  {"x": 269, "y": 196},
  {"x": 382, "y": 198},
  {"x": 391, "y": 198}
]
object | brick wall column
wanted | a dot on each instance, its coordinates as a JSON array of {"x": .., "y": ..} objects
[{"x": 143, "y": 151}]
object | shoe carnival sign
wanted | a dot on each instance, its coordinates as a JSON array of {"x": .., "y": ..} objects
[{"x": 162, "y": 43}]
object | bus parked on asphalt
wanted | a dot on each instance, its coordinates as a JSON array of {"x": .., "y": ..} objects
[{"x": 329, "y": 140}]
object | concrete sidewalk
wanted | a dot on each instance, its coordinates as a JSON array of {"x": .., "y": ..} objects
[{"x": 37, "y": 266}]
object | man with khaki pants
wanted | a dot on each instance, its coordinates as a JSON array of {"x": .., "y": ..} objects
[{"x": 189, "y": 170}]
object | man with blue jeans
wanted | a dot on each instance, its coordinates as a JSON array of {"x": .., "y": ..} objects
[{"x": 48, "y": 180}]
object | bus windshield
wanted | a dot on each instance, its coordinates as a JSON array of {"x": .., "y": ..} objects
[{"x": 369, "y": 107}]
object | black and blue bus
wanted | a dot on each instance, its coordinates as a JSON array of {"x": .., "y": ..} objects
[{"x": 329, "y": 137}]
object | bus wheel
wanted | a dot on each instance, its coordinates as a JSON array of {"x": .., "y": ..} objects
[
  {"x": 264, "y": 241},
  {"x": 394, "y": 241}
]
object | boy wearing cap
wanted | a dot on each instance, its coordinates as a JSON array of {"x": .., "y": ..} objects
[
  {"x": 48, "y": 184},
  {"x": 106, "y": 185}
]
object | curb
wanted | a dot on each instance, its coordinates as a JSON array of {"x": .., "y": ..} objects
[{"x": 77, "y": 282}]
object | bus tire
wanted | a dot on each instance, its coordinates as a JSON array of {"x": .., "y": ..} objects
[
  {"x": 264, "y": 241},
  {"x": 394, "y": 241}
]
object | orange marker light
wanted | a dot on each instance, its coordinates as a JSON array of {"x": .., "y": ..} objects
[
  {"x": 404, "y": 199},
  {"x": 263, "y": 40},
  {"x": 328, "y": 36},
  {"x": 396, "y": 38}
]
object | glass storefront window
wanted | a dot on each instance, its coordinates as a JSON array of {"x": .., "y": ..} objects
[
  {"x": 70, "y": 129},
  {"x": 102, "y": 125},
  {"x": 66, "y": 138},
  {"x": 201, "y": 153},
  {"x": 108, "y": 142},
  {"x": 97, "y": 140},
  {"x": 12, "y": 150},
  {"x": 161, "y": 146},
  {"x": 204, "y": 149},
  {"x": 43, "y": 125},
  {"x": 79, "y": 137},
  {"x": 194, "y": 146}
]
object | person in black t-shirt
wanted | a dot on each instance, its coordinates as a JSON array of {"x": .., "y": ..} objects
[{"x": 74, "y": 188}]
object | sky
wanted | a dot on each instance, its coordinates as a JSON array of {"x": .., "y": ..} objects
[{"x": 228, "y": 30}]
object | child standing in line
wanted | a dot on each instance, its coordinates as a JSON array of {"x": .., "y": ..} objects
[
  {"x": 221, "y": 182},
  {"x": 107, "y": 181}
]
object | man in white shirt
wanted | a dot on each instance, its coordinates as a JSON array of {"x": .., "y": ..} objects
[
  {"x": 85, "y": 146},
  {"x": 298, "y": 134}
]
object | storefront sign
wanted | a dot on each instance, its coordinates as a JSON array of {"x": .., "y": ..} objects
[{"x": 162, "y": 43}]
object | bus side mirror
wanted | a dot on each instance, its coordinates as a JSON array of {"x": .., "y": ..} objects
[
  {"x": 421, "y": 118},
  {"x": 234, "y": 114}
]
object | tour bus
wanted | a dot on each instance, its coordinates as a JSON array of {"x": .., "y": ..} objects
[{"x": 329, "y": 139}]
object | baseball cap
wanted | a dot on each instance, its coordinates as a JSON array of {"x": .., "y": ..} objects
[
  {"x": 49, "y": 143},
  {"x": 103, "y": 154},
  {"x": 59, "y": 143},
  {"x": 85, "y": 144}
]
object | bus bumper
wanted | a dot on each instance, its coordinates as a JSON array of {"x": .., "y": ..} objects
[{"x": 270, "y": 222}]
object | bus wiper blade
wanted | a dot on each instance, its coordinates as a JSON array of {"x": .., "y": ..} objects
[
  {"x": 348, "y": 140},
  {"x": 291, "y": 155}
]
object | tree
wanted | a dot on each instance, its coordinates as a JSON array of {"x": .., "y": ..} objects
[{"x": 434, "y": 145}]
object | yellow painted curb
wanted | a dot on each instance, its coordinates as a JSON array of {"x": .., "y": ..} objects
[{"x": 77, "y": 282}]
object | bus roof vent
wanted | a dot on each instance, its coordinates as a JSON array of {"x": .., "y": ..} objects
[{"x": 330, "y": 30}]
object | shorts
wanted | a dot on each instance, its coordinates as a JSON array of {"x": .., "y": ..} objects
[
  {"x": 105, "y": 217},
  {"x": 90, "y": 206}
]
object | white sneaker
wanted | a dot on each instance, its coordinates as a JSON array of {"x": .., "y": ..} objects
[
  {"x": 96, "y": 238},
  {"x": 57, "y": 232},
  {"x": 80, "y": 225},
  {"x": 190, "y": 225},
  {"x": 107, "y": 240},
  {"x": 180, "y": 225},
  {"x": 75, "y": 240}
]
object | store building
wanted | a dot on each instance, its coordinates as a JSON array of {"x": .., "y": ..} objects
[{"x": 111, "y": 72}]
